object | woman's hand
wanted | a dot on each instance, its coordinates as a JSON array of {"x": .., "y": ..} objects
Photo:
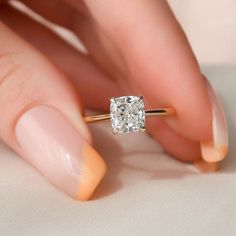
[{"x": 134, "y": 47}]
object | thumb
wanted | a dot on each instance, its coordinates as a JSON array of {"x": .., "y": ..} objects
[{"x": 41, "y": 119}]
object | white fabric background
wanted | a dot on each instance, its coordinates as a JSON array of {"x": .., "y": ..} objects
[{"x": 145, "y": 192}]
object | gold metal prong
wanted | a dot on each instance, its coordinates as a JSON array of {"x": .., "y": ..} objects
[
  {"x": 114, "y": 132},
  {"x": 142, "y": 129},
  {"x": 112, "y": 99},
  {"x": 141, "y": 98}
]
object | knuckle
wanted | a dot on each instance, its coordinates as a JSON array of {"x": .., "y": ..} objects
[
  {"x": 13, "y": 86},
  {"x": 7, "y": 67}
]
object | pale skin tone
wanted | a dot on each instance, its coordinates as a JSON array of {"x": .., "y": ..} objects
[{"x": 134, "y": 47}]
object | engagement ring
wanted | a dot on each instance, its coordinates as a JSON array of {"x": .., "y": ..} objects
[{"x": 127, "y": 114}]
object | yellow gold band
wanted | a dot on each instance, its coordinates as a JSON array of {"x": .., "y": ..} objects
[{"x": 153, "y": 112}]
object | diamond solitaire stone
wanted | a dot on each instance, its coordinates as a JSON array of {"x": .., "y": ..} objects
[{"x": 127, "y": 114}]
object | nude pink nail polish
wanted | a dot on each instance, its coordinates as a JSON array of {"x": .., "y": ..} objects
[
  {"x": 50, "y": 143},
  {"x": 216, "y": 149}
]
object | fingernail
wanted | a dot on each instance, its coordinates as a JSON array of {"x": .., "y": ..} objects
[
  {"x": 216, "y": 149},
  {"x": 206, "y": 167},
  {"x": 52, "y": 145}
]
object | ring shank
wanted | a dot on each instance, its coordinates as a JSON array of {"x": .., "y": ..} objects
[
  {"x": 159, "y": 112},
  {"x": 95, "y": 118},
  {"x": 153, "y": 112}
]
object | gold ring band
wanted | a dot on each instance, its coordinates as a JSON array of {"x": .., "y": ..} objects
[{"x": 152, "y": 112}]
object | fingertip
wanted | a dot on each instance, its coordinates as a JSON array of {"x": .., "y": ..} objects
[
  {"x": 174, "y": 143},
  {"x": 211, "y": 153}
]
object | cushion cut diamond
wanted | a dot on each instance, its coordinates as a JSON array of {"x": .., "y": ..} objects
[{"x": 127, "y": 114}]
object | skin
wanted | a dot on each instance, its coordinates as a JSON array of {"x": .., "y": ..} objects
[{"x": 134, "y": 47}]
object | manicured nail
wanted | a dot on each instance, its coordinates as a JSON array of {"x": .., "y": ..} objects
[
  {"x": 52, "y": 145},
  {"x": 206, "y": 167},
  {"x": 216, "y": 149}
]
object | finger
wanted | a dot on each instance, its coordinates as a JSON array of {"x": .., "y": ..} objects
[
  {"x": 161, "y": 64},
  {"x": 182, "y": 148},
  {"x": 41, "y": 119},
  {"x": 87, "y": 77},
  {"x": 76, "y": 16},
  {"x": 159, "y": 57},
  {"x": 122, "y": 40},
  {"x": 178, "y": 146}
]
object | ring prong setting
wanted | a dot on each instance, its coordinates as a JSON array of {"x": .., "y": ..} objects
[
  {"x": 112, "y": 99},
  {"x": 142, "y": 129}
]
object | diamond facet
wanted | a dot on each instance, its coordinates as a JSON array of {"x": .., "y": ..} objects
[{"x": 127, "y": 114}]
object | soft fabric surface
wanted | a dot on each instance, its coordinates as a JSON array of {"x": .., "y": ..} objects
[{"x": 145, "y": 192}]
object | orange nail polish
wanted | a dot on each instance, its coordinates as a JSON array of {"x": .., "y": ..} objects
[
  {"x": 206, "y": 167},
  {"x": 92, "y": 171}
]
